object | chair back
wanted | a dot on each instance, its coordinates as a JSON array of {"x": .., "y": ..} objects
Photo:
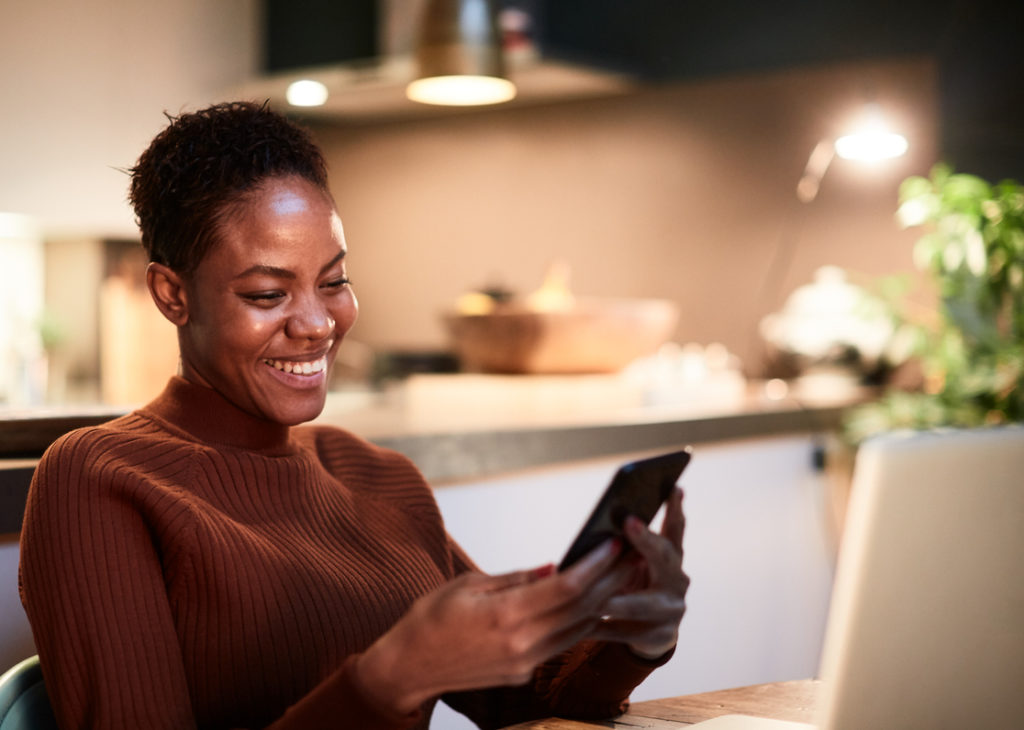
[{"x": 24, "y": 704}]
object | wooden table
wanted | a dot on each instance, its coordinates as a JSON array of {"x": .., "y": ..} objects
[{"x": 778, "y": 700}]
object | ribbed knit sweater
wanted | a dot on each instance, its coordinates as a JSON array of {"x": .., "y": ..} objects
[{"x": 192, "y": 566}]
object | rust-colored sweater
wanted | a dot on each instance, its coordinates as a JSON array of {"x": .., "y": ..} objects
[{"x": 191, "y": 566}]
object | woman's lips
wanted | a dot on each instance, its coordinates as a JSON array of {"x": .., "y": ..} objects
[{"x": 297, "y": 367}]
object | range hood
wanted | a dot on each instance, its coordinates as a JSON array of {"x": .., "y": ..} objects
[
  {"x": 361, "y": 51},
  {"x": 374, "y": 89}
]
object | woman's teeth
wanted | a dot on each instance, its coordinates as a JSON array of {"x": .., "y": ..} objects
[{"x": 298, "y": 368}]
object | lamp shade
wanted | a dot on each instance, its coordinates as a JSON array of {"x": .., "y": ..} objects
[
  {"x": 459, "y": 55},
  {"x": 871, "y": 140}
]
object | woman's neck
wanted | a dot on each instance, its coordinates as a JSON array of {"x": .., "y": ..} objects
[{"x": 207, "y": 416}]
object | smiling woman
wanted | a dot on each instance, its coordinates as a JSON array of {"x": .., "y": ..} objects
[{"x": 205, "y": 562}]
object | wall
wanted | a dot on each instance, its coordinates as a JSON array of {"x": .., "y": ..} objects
[
  {"x": 682, "y": 191},
  {"x": 84, "y": 85},
  {"x": 21, "y": 301}
]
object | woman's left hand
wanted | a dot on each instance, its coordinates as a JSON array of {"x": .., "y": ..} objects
[{"x": 647, "y": 617}]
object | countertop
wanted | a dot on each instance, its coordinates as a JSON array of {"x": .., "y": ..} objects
[{"x": 462, "y": 427}]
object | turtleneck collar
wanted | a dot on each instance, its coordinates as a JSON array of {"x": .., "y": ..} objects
[{"x": 207, "y": 416}]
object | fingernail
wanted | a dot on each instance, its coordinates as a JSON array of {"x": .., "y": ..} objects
[
  {"x": 544, "y": 571},
  {"x": 633, "y": 525}
]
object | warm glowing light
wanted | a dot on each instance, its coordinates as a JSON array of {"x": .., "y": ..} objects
[
  {"x": 306, "y": 93},
  {"x": 871, "y": 140},
  {"x": 461, "y": 90},
  {"x": 870, "y": 146}
]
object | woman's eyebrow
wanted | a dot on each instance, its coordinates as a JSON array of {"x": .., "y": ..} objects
[
  {"x": 333, "y": 261},
  {"x": 268, "y": 270},
  {"x": 285, "y": 273}
]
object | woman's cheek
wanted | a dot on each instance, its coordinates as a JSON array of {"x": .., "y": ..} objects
[{"x": 348, "y": 312}]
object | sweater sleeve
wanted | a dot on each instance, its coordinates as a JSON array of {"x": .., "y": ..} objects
[
  {"x": 591, "y": 681},
  {"x": 339, "y": 701},
  {"x": 91, "y": 584}
]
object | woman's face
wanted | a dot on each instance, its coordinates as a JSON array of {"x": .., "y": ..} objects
[{"x": 270, "y": 302}]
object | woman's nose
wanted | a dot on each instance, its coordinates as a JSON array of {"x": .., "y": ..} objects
[{"x": 310, "y": 319}]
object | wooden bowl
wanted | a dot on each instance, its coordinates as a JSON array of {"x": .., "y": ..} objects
[{"x": 600, "y": 335}]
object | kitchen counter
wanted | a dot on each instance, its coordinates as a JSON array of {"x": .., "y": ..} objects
[
  {"x": 462, "y": 427},
  {"x": 468, "y": 426}
]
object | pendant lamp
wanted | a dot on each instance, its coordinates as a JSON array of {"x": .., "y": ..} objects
[{"x": 459, "y": 55}]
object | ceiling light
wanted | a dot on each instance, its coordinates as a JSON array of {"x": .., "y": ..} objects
[
  {"x": 459, "y": 55},
  {"x": 461, "y": 90},
  {"x": 306, "y": 93}
]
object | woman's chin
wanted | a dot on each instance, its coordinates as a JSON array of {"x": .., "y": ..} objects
[
  {"x": 292, "y": 399},
  {"x": 290, "y": 408},
  {"x": 294, "y": 413}
]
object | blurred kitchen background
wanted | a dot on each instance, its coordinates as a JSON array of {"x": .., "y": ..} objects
[
  {"x": 653, "y": 151},
  {"x": 632, "y": 250}
]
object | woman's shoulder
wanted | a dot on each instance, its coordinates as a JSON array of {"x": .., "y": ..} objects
[
  {"x": 357, "y": 460},
  {"x": 124, "y": 445},
  {"x": 131, "y": 434},
  {"x": 335, "y": 444}
]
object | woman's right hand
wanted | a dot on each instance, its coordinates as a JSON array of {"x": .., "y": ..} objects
[{"x": 483, "y": 631}]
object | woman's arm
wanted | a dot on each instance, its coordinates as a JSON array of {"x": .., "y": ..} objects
[{"x": 92, "y": 587}]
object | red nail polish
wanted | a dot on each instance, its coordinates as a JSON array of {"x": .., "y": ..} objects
[{"x": 544, "y": 571}]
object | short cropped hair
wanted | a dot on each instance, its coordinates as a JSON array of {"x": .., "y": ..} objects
[{"x": 202, "y": 163}]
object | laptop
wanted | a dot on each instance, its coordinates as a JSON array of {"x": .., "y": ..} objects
[{"x": 926, "y": 625}]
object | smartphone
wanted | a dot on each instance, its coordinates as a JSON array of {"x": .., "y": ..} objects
[{"x": 639, "y": 488}]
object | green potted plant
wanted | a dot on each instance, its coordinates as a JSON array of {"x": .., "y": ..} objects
[{"x": 970, "y": 351}]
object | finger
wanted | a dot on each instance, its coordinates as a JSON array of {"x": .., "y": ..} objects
[
  {"x": 484, "y": 583},
  {"x": 617, "y": 580},
  {"x": 593, "y": 565},
  {"x": 568, "y": 636},
  {"x": 674, "y": 523},
  {"x": 643, "y": 639},
  {"x": 649, "y": 624},
  {"x": 567, "y": 587},
  {"x": 548, "y": 628},
  {"x": 518, "y": 578},
  {"x": 651, "y": 607},
  {"x": 662, "y": 556}
]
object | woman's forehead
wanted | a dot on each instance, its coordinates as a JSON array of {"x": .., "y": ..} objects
[{"x": 287, "y": 221}]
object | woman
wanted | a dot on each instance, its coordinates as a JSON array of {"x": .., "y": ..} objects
[{"x": 201, "y": 562}]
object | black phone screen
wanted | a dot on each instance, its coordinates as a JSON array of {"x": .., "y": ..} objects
[{"x": 638, "y": 488}]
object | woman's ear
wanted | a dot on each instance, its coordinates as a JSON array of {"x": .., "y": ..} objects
[{"x": 168, "y": 291}]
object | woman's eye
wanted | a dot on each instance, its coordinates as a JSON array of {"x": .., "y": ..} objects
[
  {"x": 337, "y": 283},
  {"x": 263, "y": 296}
]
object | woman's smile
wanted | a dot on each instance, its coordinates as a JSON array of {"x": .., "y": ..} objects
[
  {"x": 307, "y": 367},
  {"x": 301, "y": 375}
]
